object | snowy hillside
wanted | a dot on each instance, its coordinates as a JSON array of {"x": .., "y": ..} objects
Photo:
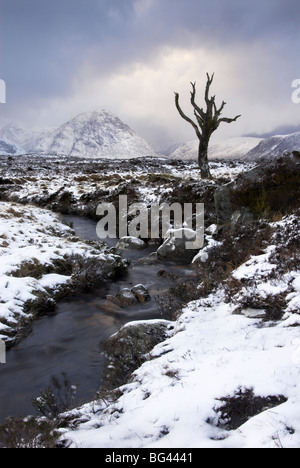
[
  {"x": 27, "y": 270},
  {"x": 9, "y": 149},
  {"x": 233, "y": 148},
  {"x": 89, "y": 135},
  {"x": 275, "y": 146},
  {"x": 93, "y": 135},
  {"x": 226, "y": 376},
  {"x": 21, "y": 136}
]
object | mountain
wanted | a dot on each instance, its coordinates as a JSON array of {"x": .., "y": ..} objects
[
  {"x": 275, "y": 146},
  {"x": 232, "y": 148},
  {"x": 9, "y": 149},
  {"x": 93, "y": 135},
  {"x": 20, "y": 136},
  {"x": 166, "y": 148},
  {"x": 89, "y": 135}
]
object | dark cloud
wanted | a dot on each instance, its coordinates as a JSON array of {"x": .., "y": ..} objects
[
  {"x": 45, "y": 44},
  {"x": 221, "y": 21},
  {"x": 45, "y": 41}
]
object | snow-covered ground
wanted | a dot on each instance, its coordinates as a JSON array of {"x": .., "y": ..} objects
[
  {"x": 32, "y": 241},
  {"x": 229, "y": 348},
  {"x": 218, "y": 351},
  {"x": 78, "y": 177}
]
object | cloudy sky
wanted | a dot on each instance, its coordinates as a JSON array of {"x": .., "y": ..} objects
[{"x": 63, "y": 57}]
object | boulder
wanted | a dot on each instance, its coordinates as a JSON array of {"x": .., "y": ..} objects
[
  {"x": 201, "y": 257},
  {"x": 128, "y": 349},
  {"x": 270, "y": 188},
  {"x": 223, "y": 204},
  {"x": 112, "y": 299},
  {"x": 141, "y": 293},
  {"x": 130, "y": 297},
  {"x": 175, "y": 247},
  {"x": 127, "y": 298},
  {"x": 250, "y": 313},
  {"x": 151, "y": 260},
  {"x": 131, "y": 243},
  {"x": 241, "y": 217}
]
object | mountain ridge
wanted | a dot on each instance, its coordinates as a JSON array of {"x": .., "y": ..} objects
[
  {"x": 96, "y": 134},
  {"x": 100, "y": 134},
  {"x": 246, "y": 148},
  {"x": 231, "y": 148},
  {"x": 10, "y": 149},
  {"x": 21, "y": 136},
  {"x": 275, "y": 146}
]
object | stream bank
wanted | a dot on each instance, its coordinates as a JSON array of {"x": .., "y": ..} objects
[{"x": 70, "y": 340}]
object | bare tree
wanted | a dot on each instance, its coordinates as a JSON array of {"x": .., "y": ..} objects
[{"x": 207, "y": 122}]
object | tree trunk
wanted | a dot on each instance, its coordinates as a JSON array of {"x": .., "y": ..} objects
[{"x": 203, "y": 160}]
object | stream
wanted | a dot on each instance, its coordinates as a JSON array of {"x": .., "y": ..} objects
[{"x": 70, "y": 340}]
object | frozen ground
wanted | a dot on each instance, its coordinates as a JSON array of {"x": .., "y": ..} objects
[
  {"x": 225, "y": 357},
  {"x": 228, "y": 373},
  {"x": 34, "y": 179},
  {"x": 33, "y": 240},
  {"x": 34, "y": 245}
]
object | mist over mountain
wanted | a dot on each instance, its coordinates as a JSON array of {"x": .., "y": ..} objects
[
  {"x": 88, "y": 135},
  {"x": 249, "y": 148},
  {"x": 275, "y": 146},
  {"x": 22, "y": 136},
  {"x": 100, "y": 134},
  {"x": 232, "y": 148},
  {"x": 9, "y": 149},
  {"x": 283, "y": 130}
]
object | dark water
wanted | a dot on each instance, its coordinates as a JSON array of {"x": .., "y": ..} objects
[{"x": 70, "y": 340}]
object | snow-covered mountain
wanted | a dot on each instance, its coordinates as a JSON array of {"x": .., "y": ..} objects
[
  {"x": 275, "y": 146},
  {"x": 166, "y": 148},
  {"x": 93, "y": 135},
  {"x": 9, "y": 149},
  {"x": 98, "y": 134},
  {"x": 232, "y": 148},
  {"x": 21, "y": 136}
]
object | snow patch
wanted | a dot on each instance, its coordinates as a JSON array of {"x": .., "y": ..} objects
[{"x": 210, "y": 355}]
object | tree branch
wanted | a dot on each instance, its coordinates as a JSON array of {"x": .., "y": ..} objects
[
  {"x": 185, "y": 117},
  {"x": 229, "y": 120},
  {"x": 208, "y": 85},
  {"x": 200, "y": 111},
  {"x": 219, "y": 111}
]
